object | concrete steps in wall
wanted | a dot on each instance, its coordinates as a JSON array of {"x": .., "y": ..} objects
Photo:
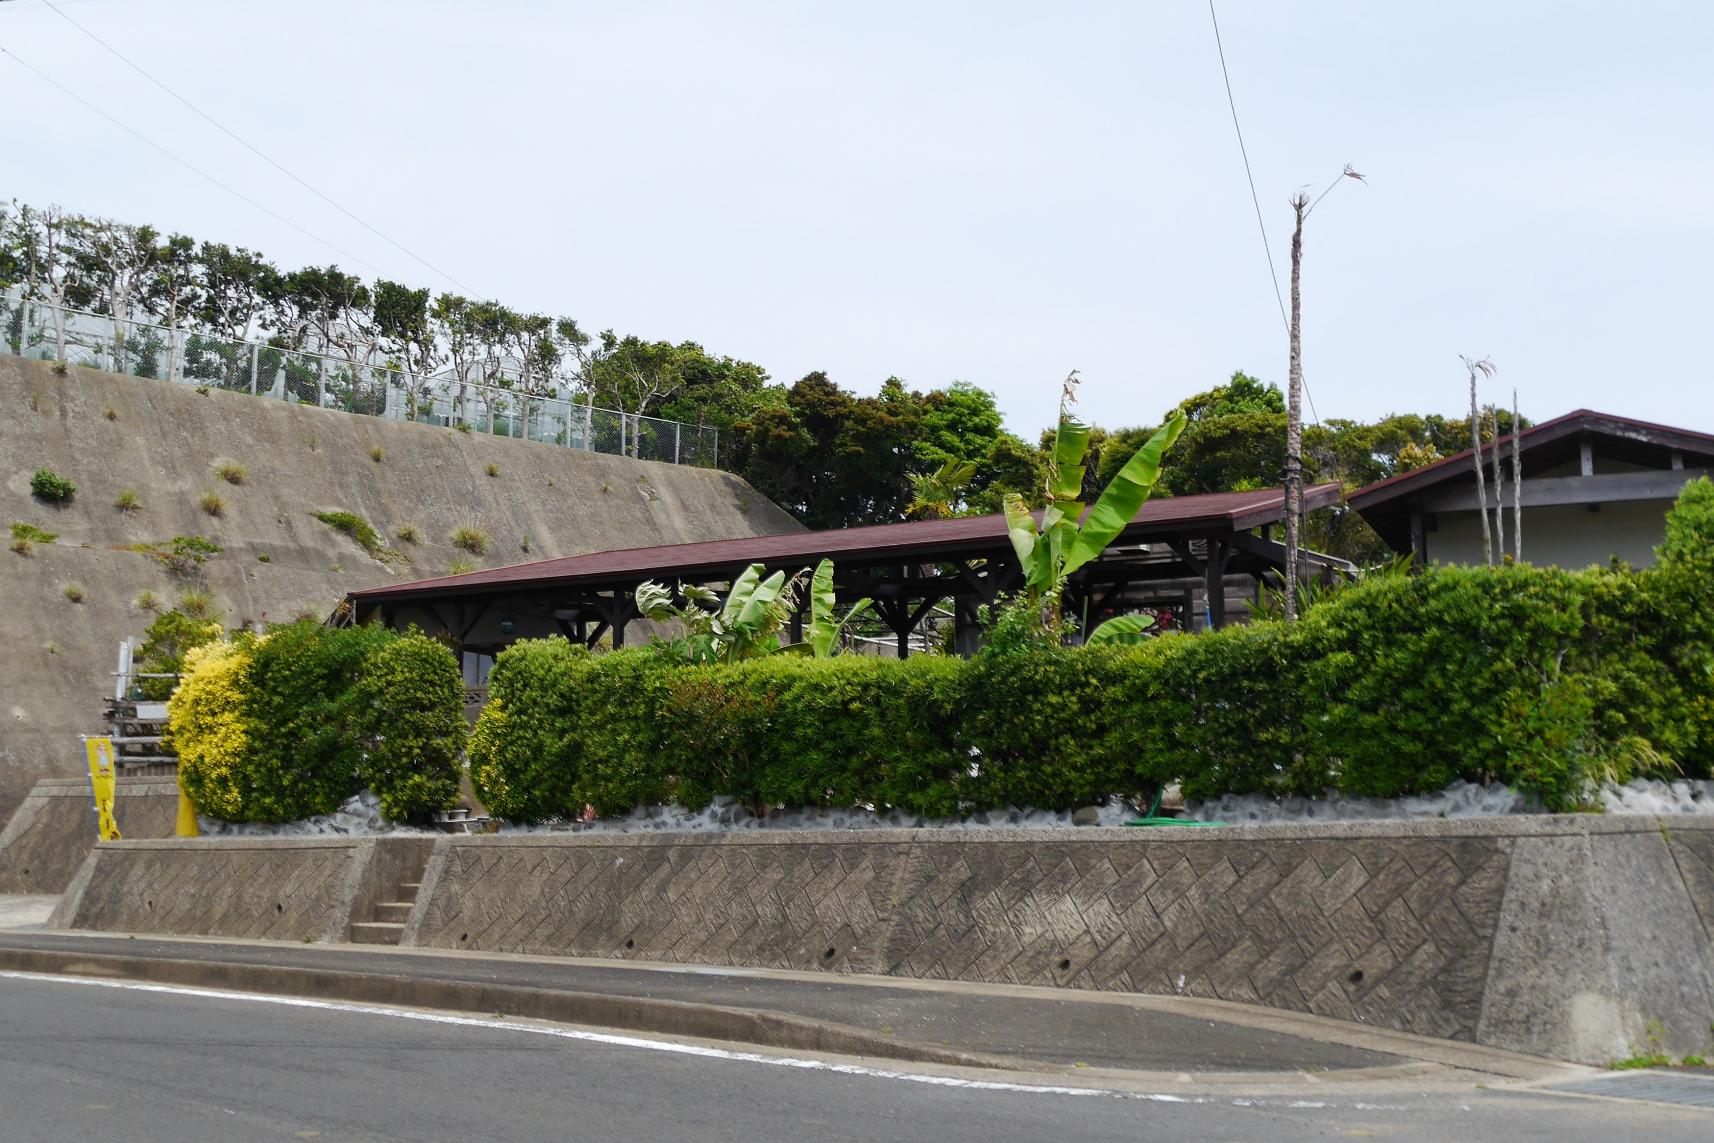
[
  {"x": 376, "y": 932},
  {"x": 387, "y": 919}
]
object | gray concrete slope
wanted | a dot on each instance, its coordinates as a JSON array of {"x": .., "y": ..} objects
[{"x": 165, "y": 441}]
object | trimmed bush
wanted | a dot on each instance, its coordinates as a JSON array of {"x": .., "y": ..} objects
[
  {"x": 1045, "y": 723},
  {"x": 617, "y": 732},
  {"x": 290, "y": 724},
  {"x": 1218, "y": 712},
  {"x": 521, "y": 762},
  {"x": 792, "y": 731},
  {"x": 564, "y": 729},
  {"x": 1681, "y": 590},
  {"x": 408, "y": 711},
  {"x": 210, "y": 729},
  {"x": 1417, "y": 680},
  {"x": 299, "y": 696}
]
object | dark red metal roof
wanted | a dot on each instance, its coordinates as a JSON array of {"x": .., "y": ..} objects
[
  {"x": 1457, "y": 466},
  {"x": 922, "y": 540}
]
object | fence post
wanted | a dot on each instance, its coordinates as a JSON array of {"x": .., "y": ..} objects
[
  {"x": 678, "y": 431},
  {"x": 320, "y": 382},
  {"x": 255, "y": 365}
]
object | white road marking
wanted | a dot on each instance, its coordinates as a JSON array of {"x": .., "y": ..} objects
[{"x": 615, "y": 1039}]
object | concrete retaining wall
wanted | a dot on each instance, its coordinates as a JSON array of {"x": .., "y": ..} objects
[
  {"x": 109, "y": 433},
  {"x": 272, "y": 889},
  {"x": 54, "y": 829},
  {"x": 1573, "y": 937}
]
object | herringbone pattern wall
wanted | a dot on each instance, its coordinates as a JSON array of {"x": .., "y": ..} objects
[
  {"x": 1392, "y": 934},
  {"x": 773, "y": 906},
  {"x": 229, "y": 891},
  {"x": 1397, "y": 933},
  {"x": 54, "y": 829}
]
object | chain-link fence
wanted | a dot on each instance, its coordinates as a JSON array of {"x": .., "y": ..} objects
[{"x": 53, "y": 333}]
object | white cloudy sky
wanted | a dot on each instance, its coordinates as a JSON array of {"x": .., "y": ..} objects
[{"x": 991, "y": 191}]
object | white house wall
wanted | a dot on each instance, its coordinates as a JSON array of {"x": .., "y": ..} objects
[{"x": 1570, "y": 536}]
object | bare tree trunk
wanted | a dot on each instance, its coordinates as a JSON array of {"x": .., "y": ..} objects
[
  {"x": 1476, "y": 455},
  {"x": 1499, "y": 484},
  {"x": 173, "y": 338},
  {"x": 1517, "y": 486},
  {"x": 1294, "y": 415}
]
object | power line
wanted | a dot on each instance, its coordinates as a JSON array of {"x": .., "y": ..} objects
[
  {"x": 1267, "y": 247},
  {"x": 51, "y": 81},
  {"x": 258, "y": 152}
]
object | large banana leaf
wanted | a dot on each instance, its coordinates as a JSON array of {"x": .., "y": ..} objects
[
  {"x": 655, "y": 601},
  {"x": 756, "y": 609},
  {"x": 1121, "y": 499},
  {"x": 743, "y": 588},
  {"x": 825, "y": 629},
  {"x": 1121, "y": 629},
  {"x": 1021, "y": 530},
  {"x": 1070, "y": 445}
]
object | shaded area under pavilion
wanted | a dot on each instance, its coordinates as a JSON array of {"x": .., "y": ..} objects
[{"x": 1213, "y": 550}]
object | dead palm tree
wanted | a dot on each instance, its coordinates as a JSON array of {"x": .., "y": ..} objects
[{"x": 1486, "y": 368}]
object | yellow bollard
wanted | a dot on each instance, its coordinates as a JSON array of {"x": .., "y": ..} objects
[
  {"x": 186, "y": 825},
  {"x": 102, "y": 779}
]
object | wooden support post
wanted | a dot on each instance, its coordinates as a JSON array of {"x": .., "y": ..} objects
[
  {"x": 1214, "y": 582},
  {"x": 620, "y": 617},
  {"x": 966, "y": 629}
]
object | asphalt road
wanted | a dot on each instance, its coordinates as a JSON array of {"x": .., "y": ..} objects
[
  {"x": 91, "y": 1061},
  {"x": 1078, "y": 1027}
]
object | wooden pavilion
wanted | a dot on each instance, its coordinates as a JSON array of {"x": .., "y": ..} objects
[{"x": 1195, "y": 560}]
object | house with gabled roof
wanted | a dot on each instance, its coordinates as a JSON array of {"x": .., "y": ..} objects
[{"x": 1594, "y": 487}]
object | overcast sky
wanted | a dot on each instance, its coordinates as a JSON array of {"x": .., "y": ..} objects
[{"x": 990, "y": 191}]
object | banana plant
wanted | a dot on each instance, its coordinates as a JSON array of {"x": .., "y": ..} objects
[
  {"x": 1066, "y": 537},
  {"x": 826, "y": 627},
  {"x": 745, "y": 626}
]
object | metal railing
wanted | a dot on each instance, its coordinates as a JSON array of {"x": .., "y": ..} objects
[{"x": 46, "y": 332}]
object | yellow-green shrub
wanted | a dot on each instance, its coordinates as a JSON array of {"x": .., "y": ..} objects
[{"x": 210, "y": 729}]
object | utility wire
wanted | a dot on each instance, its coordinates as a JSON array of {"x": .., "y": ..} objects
[
  {"x": 185, "y": 163},
  {"x": 258, "y": 152},
  {"x": 1267, "y": 247}
]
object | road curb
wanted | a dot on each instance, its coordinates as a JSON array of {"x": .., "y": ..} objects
[{"x": 627, "y": 1013}]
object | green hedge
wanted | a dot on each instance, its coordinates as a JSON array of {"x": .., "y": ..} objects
[
  {"x": 1547, "y": 680},
  {"x": 305, "y": 716},
  {"x": 408, "y": 712}
]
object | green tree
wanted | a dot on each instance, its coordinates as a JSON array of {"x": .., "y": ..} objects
[
  {"x": 717, "y": 391},
  {"x": 239, "y": 290},
  {"x": 833, "y": 459}
]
